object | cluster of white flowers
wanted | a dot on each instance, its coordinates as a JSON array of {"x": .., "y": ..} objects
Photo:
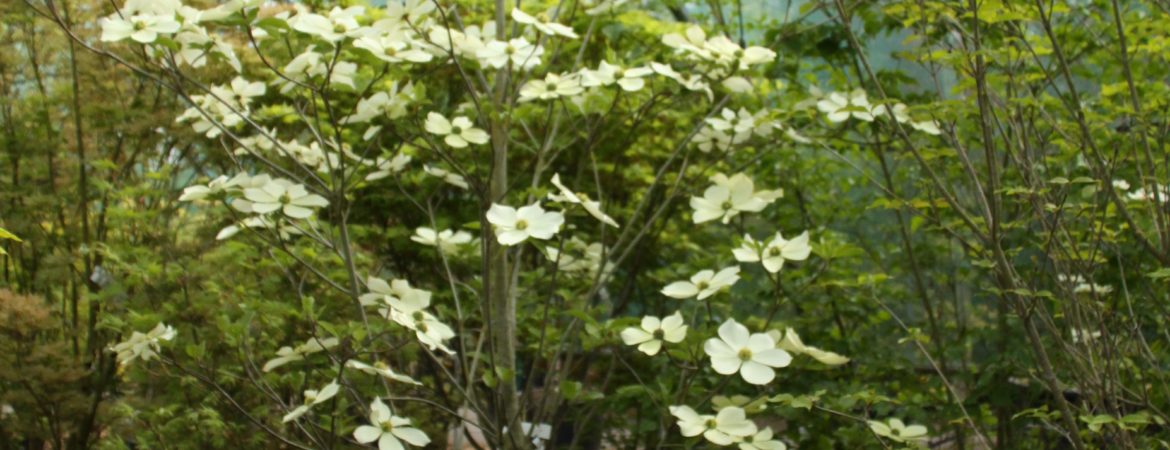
[
  {"x": 575, "y": 256},
  {"x": 717, "y": 49},
  {"x": 143, "y": 346},
  {"x": 840, "y": 107},
  {"x": 224, "y": 107},
  {"x": 728, "y": 426},
  {"x": 270, "y": 199},
  {"x": 406, "y": 306}
]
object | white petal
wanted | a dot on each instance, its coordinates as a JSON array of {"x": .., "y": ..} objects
[
  {"x": 756, "y": 373},
  {"x": 680, "y": 289},
  {"x": 366, "y": 434},
  {"x": 772, "y": 357},
  {"x": 734, "y": 334},
  {"x": 413, "y": 436}
]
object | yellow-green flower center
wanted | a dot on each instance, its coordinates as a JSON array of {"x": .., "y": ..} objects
[
  {"x": 659, "y": 334},
  {"x": 521, "y": 224},
  {"x": 745, "y": 354}
]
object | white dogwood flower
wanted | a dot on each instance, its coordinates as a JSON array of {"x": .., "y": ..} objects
[
  {"x": 292, "y": 199},
  {"x": 287, "y": 354},
  {"x": 728, "y": 426},
  {"x": 753, "y": 355},
  {"x": 143, "y": 346},
  {"x": 142, "y": 28},
  {"x": 447, "y": 240},
  {"x": 544, "y": 25},
  {"x": 630, "y": 80},
  {"x": 728, "y": 197},
  {"x": 340, "y": 24},
  {"x": 380, "y": 369},
  {"x": 431, "y": 332},
  {"x": 552, "y": 87},
  {"x": 457, "y": 132},
  {"x": 593, "y": 207},
  {"x": 655, "y": 331},
  {"x": 312, "y": 398},
  {"x": 703, "y": 284},
  {"x": 392, "y": 49},
  {"x": 762, "y": 441},
  {"x": 397, "y": 294},
  {"x": 519, "y": 52},
  {"x": 790, "y": 342},
  {"x": 775, "y": 252},
  {"x": 389, "y": 430},
  {"x": 901, "y": 113},
  {"x": 896, "y": 430},
  {"x": 514, "y": 226},
  {"x": 447, "y": 176},
  {"x": 840, "y": 107}
]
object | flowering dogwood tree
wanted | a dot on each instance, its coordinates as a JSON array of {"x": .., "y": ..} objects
[{"x": 475, "y": 119}]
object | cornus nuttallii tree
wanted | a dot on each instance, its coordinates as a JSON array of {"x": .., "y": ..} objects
[{"x": 344, "y": 131}]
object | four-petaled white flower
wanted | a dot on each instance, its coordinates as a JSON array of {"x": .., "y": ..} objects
[
  {"x": 457, "y": 132},
  {"x": 896, "y": 430},
  {"x": 380, "y": 369},
  {"x": 519, "y": 52},
  {"x": 447, "y": 240},
  {"x": 142, "y": 28},
  {"x": 728, "y": 197},
  {"x": 392, "y": 49},
  {"x": 775, "y": 252},
  {"x": 593, "y": 207},
  {"x": 397, "y": 294},
  {"x": 143, "y": 346},
  {"x": 312, "y": 398},
  {"x": 447, "y": 176},
  {"x": 553, "y": 86},
  {"x": 514, "y": 226},
  {"x": 287, "y": 354},
  {"x": 762, "y": 441},
  {"x": 607, "y": 74},
  {"x": 389, "y": 430},
  {"x": 791, "y": 343},
  {"x": 543, "y": 24},
  {"x": 728, "y": 426},
  {"x": 279, "y": 194},
  {"x": 655, "y": 331},
  {"x": 753, "y": 355},
  {"x": 703, "y": 284},
  {"x": 901, "y": 113},
  {"x": 431, "y": 332},
  {"x": 840, "y": 107},
  {"x": 340, "y": 24}
]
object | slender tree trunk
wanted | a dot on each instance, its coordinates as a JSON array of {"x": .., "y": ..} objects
[{"x": 500, "y": 305}]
